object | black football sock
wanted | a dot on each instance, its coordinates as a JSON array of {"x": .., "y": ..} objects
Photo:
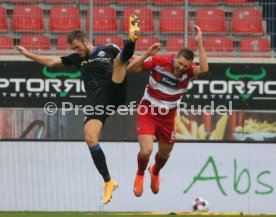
[
  {"x": 128, "y": 51},
  {"x": 99, "y": 161}
]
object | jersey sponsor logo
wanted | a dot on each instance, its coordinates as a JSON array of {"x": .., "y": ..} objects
[
  {"x": 101, "y": 54},
  {"x": 167, "y": 81},
  {"x": 100, "y": 60},
  {"x": 83, "y": 63}
]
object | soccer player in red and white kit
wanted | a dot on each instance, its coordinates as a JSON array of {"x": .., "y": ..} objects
[{"x": 169, "y": 78}]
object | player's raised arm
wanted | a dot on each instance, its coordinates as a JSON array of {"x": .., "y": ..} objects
[
  {"x": 203, "y": 63},
  {"x": 136, "y": 61},
  {"x": 44, "y": 60}
]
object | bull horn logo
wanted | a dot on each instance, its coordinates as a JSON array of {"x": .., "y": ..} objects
[
  {"x": 245, "y": 76},
  {"x": 59, "y": 74},
  {"x": 249, "y": 76},
  {"x": 69, "y": 75}
]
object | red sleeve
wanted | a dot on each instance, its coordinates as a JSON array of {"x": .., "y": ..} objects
[
  {"x": 151, "y": 62},
  {"x": 190, "y": 70}
]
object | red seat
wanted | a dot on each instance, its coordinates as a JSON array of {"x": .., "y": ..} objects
[
  {"x": 168, "y": 2},
  {"x": 204, "y": 2},
  {"x": 239, "y": 3},
  {"x": 99, "y": 2},
  {"x": 104, "y": 19},
  {"x": 23, "y": 1},
  {"x": 6, "y": 43},
  {"x": 60, "y": 1},
  {"x": 127, "y": 2},
  {"x": 218, "y": 44},
  {"x": 108, "y": 39},
  {"x": 174, "y": 44},
  {"x": 144, "y": 42},
  {"x": 247, "y": 21},
  {"x": 28, "y": 19},
  {"x": 255, "y": 45},
  {"x": 62, "y": 43},
  {"x": 145, "y": 15},
  {"x": 211, "y": 20},
  {"x": 3, "y": 20},
  {"x": 171, "y": 20},
  {"x": 64, "y": 19},
  {"x": 35, "y": 42}
]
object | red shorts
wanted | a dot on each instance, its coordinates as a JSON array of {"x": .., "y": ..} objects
[{"x": 150, "y": 122}]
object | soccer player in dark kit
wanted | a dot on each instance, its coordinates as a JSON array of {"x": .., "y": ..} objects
[{"x": 103, "y": 70}]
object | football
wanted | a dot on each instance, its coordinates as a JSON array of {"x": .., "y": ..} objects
[{"x": 200, "y": 205}]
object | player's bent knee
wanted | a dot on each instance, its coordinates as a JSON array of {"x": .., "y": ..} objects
[
  {"x": 118, "y": 61},
  {"x": 119, "y": 73},
  {"x": 145, "y": 152},
  {"x": 91, "y": 140},
  {"x": 118, "y": 78},
  {"x": 165, "y": 156}
]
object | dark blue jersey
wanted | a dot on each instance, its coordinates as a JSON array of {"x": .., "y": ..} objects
[{"x": 96, "y": 68}]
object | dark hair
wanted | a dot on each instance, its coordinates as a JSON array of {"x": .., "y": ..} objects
[
  {"x": 187, "y": 53},
  {"x": 76, "y": 34}
]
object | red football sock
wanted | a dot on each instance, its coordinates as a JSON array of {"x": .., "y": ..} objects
[
  {"x": 159, "y": 164},
  {"x": 142, "y": 164}
]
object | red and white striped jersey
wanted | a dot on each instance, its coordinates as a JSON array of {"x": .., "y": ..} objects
[{"x": 164, "y": 88}]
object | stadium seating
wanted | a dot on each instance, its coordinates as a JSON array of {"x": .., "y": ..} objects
[
  {"x": 62, "y": 43},
  {"x": 6, "y": 43},
  {"x": 127, "y": 2},
  {"x": 247, "y": 21},
  {"x": 256, "y": 45},
  {"x": 174, "y": 44},
  {"x": 35, "y": 42},
  {"x": 211, "y": 20},
  {"x": 98, "y": 2},
  {"x": 145, "y": 15},
  {"x": 64, "y": 18},
  {"x": 204, "y": 2},
  {"x": 159, "y": 18},
  {"x": 28, "y": 19},
  {"x": 23, "y": 1},
  {"x": 218, "y": 44},
  {"x": 168, "y": 2},
  {"x": 3, "y": 20},
  {"x": 64, "y": 2},
  {"x": 171, "y": 20},
  {"x": 107, "y": 39},
  {"x": 104, "y": 19},
  {"x": 145, "y": 42},
  {"x": 239, "y": 3}
]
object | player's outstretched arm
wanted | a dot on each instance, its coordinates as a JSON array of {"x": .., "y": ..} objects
[
  {"x": 136, "y": 61},
  {"x": 203, "y": 62},
  {"x": 44, "y": 60}
]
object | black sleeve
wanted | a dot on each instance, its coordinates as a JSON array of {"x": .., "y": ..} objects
[
  {"x": 114, "y": 49},
  {"x": 69, "y": 60}
]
